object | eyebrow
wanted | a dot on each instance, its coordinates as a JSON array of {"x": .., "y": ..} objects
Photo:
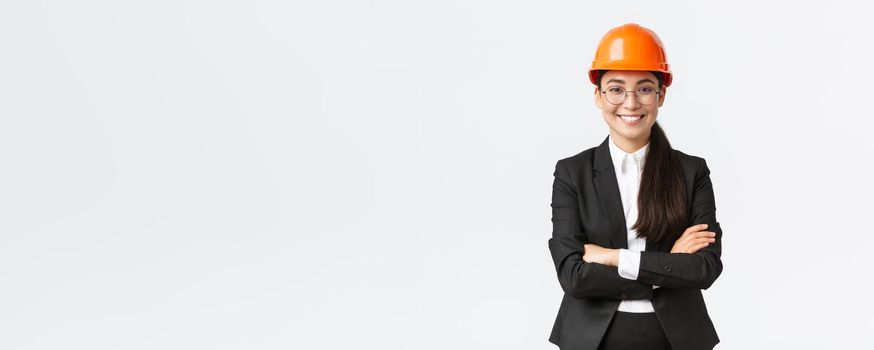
[{"x": 623, "y": 81}]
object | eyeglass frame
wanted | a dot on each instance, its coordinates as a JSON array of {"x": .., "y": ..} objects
[{"x": 636, "y": 96}]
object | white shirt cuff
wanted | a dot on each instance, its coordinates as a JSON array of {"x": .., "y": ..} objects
[{"x": 629, "y": 263}]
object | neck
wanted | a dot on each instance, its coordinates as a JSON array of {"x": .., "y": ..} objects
[{"x": 629, "y": 145}]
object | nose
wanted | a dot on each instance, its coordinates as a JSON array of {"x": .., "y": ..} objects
[{"x": 631, "y": 101}]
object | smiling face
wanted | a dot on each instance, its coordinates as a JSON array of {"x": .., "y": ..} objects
[{"x": 630, "y": 122}]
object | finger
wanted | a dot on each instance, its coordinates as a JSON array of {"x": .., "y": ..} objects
[
  {"x": 684, "y": 241},
  {"x": 697, "y": 241},
  {"x": 695, "y": 228},
  {"x": 692, "y": 242},
  {"x": 698, "y": 228},
  {"x": 696, "y": 247},
  {"x": 700, "y": 234},
  {"x": 690, "y": 238}
]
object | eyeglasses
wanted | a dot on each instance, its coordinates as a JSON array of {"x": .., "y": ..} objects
[{"x": 644, "y": 95}]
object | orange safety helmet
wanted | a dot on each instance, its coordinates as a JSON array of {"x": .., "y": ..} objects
[{"x": 630, "y": 47}]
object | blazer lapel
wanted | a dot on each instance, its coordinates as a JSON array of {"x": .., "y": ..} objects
[{"x": 604, "y": 179}]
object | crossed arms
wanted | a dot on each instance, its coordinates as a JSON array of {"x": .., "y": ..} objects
[{"x": 581, "y": 279}]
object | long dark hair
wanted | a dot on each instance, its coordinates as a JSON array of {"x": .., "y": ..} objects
[{"x": 661, "y": 201}]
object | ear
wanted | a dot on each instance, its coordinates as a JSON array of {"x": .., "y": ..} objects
[
  {"x": 662, "y": 96},
  {"x": 598, "y": 101}
]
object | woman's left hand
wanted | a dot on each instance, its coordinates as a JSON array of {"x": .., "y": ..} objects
[{"x": 592, "y": 253}]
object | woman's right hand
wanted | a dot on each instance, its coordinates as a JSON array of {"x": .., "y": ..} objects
[{"x": 693, "y": 239}]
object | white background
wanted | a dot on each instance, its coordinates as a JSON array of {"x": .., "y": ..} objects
[{"x": 378, "y": 174}]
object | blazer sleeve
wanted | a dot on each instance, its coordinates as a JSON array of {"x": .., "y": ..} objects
[
  {"x": 681, "y": 270},
  {"x": 578, "y": 278}
]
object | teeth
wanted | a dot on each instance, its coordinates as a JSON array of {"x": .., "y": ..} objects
[{"x": 631, "y": 119}]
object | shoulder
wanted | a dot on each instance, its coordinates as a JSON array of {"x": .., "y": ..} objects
[
  {"x": 688, "y": 158},
  {"x": 692, "y": 163},
  {"x": 576, "y": 162}
]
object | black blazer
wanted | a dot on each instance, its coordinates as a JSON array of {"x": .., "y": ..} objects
[{"x": 586, "y": 208}]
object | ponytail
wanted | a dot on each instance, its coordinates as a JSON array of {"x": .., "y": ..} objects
[{"x": 661, "y": 201}]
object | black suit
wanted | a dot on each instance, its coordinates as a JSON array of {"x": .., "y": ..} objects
[{"x": 586, "y": 208}]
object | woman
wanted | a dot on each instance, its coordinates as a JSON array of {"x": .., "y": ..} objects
[{"x": 635, "y": 237}]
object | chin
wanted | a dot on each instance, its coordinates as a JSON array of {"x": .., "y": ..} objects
[{"x": 629, "y": 135}]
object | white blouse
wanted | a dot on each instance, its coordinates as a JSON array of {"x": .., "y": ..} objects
[{"x": 628, "y": 168}]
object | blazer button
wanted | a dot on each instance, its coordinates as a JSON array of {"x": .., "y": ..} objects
[
  {"x": 668, "y": 268},
  {"x": 624, "y": 296}
]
